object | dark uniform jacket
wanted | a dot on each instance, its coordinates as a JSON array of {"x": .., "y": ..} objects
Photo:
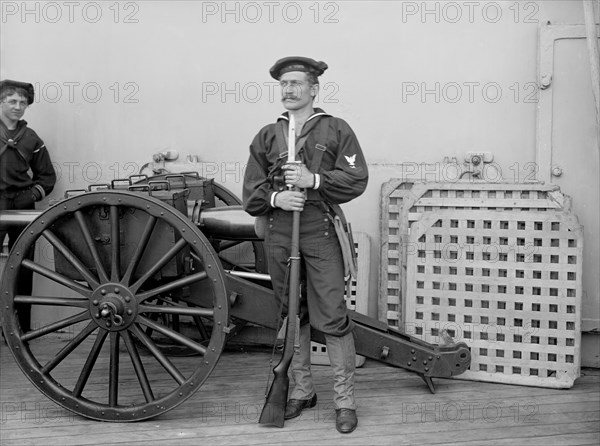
[
  {"x": 343, "y": 169},
  {"x": 20, "y": 150}
]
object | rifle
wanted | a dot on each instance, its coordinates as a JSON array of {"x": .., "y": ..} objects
[{"x": 273, "y": 412}]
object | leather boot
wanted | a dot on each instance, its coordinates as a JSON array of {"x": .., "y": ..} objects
[
  {"x": 294, "y": 408},
  {"x": 345, "y": 420}
]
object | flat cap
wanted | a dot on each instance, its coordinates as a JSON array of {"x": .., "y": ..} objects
[
  {"x": 297, "y": 63},
  {"x": 6, "y": 83}
]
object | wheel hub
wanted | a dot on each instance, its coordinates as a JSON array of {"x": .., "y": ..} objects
[{"x": 113, "y": 307}]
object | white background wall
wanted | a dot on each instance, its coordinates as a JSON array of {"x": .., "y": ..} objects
[{"x": 417, "y": 81}]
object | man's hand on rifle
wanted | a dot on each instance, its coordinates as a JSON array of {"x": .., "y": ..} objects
[
  {"x": 290, "y": 200},
  {"x": 298, "y": 175}
]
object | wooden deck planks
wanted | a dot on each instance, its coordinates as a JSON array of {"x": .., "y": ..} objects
[{"x": 395, "y": 407}]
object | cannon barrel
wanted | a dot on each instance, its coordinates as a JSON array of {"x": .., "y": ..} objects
[
  {"x": 226, "y": 223},
  {"x": 11, "y": 219}
]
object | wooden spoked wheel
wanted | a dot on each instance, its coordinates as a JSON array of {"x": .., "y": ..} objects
[{"x": 119, "y": 258}]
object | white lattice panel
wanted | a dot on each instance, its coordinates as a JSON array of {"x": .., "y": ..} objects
[
  {"x": 404, "y": 202},
  {"x": 508, "y": 283}
]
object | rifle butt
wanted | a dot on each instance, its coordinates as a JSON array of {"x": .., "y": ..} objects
[{"x": 273, "y": 412}]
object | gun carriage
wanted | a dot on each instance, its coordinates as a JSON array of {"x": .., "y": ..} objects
[{"x": 138, "y": 262}]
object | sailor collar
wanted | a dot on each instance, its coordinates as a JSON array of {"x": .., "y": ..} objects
[{"x": 318, "y": 112}]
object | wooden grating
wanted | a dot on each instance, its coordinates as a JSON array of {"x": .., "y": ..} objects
[
  {"x": 508, "y": 283},
  {"x": 357, "y": 295},
  {"x": 403, "y": 202}
]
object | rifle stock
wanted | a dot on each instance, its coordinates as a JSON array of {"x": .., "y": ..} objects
[{"x": 274, "y": 409}]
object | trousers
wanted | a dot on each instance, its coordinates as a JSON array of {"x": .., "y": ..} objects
[{"x": 323, "y": 286}]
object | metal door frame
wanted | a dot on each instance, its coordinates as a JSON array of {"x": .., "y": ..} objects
[{"x": 548, "y": 35}]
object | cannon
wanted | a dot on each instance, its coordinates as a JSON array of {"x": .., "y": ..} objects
[{"x": 140, "y": 262}]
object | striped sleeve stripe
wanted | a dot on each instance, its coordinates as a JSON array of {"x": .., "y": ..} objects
[{"x": 42, "y": 191}]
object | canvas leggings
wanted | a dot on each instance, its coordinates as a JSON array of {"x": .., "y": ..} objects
[{"x": 322, "y": 298}]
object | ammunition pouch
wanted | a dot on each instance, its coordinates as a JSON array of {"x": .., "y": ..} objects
[
  {"x": 279, "y": 182},
  {"x": 275, "y": 174}
]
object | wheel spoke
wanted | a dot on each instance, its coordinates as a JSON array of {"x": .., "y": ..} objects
[
  {"x": 72, "y": 345},
  {"x": 87, "y": 236},
  {"x": 55, "y": 326},
  {"x": 160, "y": 357},
  {"x": 155, "y": 315},
  {"x": 178, "y": 337},
  {"x": 89, "y": 363},
  {"x": 56, "y": 277},
  {"x": 138, "y": 366},
  {"x": 115, "y": 240},
  {"x": 53, "y": 301},
  {"x": 71, "y": 258},
  {"x": 139, "y": 250},
  {"x": 181, "y": 243},
  {"x": 179, "y": 283},
  {"x": 201, "y": 327},
  {"x": 113, "y": 376},
  {"x": 186, "y": 311}
]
